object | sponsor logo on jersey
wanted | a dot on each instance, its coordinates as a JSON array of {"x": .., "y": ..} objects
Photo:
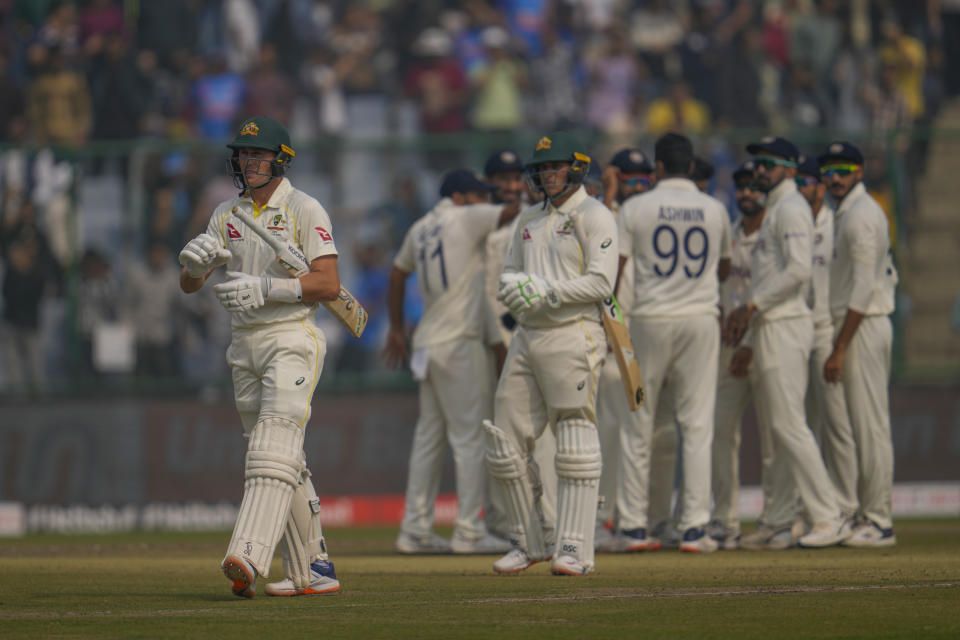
[
  {"x": 250, "y": 129},
  {"x": 299, "y": 381},
  {"x": 232, "y": 232},
  {"x": 817, "y": 238},
  {"x": 544, "y": 143},
  {"x": 526, "y": 235},
  {"x": 324, "y": 234},
  {"x": 606, "y": 243},
  {"x": 580, "y": 385}
]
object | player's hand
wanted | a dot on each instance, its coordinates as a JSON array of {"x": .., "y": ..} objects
[
  {"x": 833, "y": 367},
  {"x": 395, "y": 352},
  {"x": 738, "y": 323},
  {"x": 522, "y": 292},
  {"x": 242, "y": 292},
  {"x": 203, "y": 254},
  {"x": 740, "y": 362}
]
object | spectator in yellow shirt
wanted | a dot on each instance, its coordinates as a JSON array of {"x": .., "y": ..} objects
[{"x": 677, "y": 112}]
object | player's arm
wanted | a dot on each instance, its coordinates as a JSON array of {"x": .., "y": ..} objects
[
  {"x": 323, "y": 281},
  {"x": 508, "y": 213},
  {"x": 395, "y": 351},
  {"x": 726, "y": 248},
  {"x": 794, "y": 233},
  {"x": 601, "y": 253},
  {"x": 620, "y": 265}
]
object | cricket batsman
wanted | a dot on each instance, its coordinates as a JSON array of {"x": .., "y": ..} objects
[
  {"x": 561, "y": 263},
  {"x": 275, "y": 356}
]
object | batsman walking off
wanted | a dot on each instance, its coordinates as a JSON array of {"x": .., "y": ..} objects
[
  {"x": 276, "y": 356},
  {"x": 561, "y": 263}
]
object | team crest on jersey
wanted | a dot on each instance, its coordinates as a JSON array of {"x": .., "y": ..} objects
[
  {"x": 324, "y": 234},
  {"x": 276, "y": 224},
  {"x": 566, "y": 229},
  {"x": 232, "y": 233},
  {"x": 250, "y": 129},
  {"x": 526, "y": 235},
  {"x": 817, "y": 238},
  {"x": 544, "y": 143}
]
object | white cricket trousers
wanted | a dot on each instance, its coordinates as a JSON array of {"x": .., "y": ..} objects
[
  {"x": 866, "y": 376},
  {"x": 830, "y": 422},
  {"x": 683, "y": 350},
  {"x": 454, "y": 401},
  {"x": 781, "y": 352}
]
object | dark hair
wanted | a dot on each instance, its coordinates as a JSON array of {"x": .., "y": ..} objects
[
  {"x": 702, "y": 170},
  {"x": 675, "y": 152}
]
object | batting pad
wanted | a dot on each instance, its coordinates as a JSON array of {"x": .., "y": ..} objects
[
  {"x": 273, "y": 468},
  {"x": 520, "y": 484},
  {"x": 303, "y": 541},
  {"x": 578, "y": 477}
]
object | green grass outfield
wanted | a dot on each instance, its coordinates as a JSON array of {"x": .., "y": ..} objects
[{"x": 153, "y": 585}]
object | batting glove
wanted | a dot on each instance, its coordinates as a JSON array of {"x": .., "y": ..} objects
[
  {"x": 522, "y": 292},
  {"x": 203, "y": 254},
  {"x": 242, "y": 292}
]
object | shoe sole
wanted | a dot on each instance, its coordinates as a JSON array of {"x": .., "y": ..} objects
[
  {"x": 646, "y": 546},
  {"x": 694, "y": 549},
  {"x": 879, "y": 544},
  {"x": 240, "y": 578},
  {"x": 560, "y": 571},
  {"x": 821, "y": 545},
  {"x": 302, "y": 592}
]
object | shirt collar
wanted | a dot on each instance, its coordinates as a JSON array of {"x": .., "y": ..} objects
[
  {"x": 854, "y": 194},
  {"x": 684, "y": 184},
  {"x": 782, "y": 190},
  {"x": 571, "y": 203},
  {"x": 279, "y": 195}
]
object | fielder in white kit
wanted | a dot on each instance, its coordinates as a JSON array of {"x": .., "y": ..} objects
[
  {"x": 825, "y": 405},
  {"x": 862, "y": 287},
  {"x": 276, "y": 356},
  {"x": 449, "y": 359},
  {"x": 679, "y": 240},
  {"x": 562, "y": 262},
  {"x": 781, "y": 335}
]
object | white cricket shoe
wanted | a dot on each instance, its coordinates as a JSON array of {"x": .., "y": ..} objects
[
  {"x": 567, "y": 565},
  {"x": 323, "y": 580},
  {"x": 767, "y": 538},
  {"x": 242, "y": 576},
  {"x": 727, "y": 538},
  {"x": 667, "y": 535},
  {"x": 870, "y": 534},
  {"x": 431, "y": 543},
  {"x": 826, "y": 533},
  {"x": 697, "y": 541},
  {"x": 479, "y": 546},
  {"x": 630, "y": 540},
  {"x": 516, "y": 560},
  {"x": 604, "y": 541}
]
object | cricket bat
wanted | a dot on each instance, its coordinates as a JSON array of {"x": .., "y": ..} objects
[
  {"x": 346, "y": 308},
  {"x": 619, "y": 338}
]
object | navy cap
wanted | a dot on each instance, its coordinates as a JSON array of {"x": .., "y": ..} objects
[
  {"x": 841, "y": 150},
  {"x": 745, "y": 169},
  {"x": 504, "y": 160},
  {"x": 631, "y": 161},
  {"x": 776, "y": 146},
  {"x": 808, "y": 166},
  {"x": 462, "y": 181}
]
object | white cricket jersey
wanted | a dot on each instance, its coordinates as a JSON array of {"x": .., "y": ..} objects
[
  {"x": 676, "y": 236},
  {"x": 445, "y": 248},
  {"x": 822, "y": 257},
  {"x": 735, "y": 289},
  {"x": 782, "y": 258},
  {"x": 627, "y": 277},
  {"x": 581, "y": 270},
  {"x": 290, "y": 215},
  {"x": 862, "y": 276}
]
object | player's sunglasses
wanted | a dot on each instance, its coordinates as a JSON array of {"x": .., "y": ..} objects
[
  {"x": 841, "y": 170},
  {"x": 743, "y": 186},
  {"x": 768, "y": 162},
  {"x": 805, "y": 181},
  {"x": 634, "y": 180}
]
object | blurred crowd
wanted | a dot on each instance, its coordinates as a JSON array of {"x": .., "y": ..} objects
[{"x": 75, "y": 75}]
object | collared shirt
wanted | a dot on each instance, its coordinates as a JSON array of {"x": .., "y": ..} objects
[
  {"x": 822, "y": 257},
  {"x": 445, "y": 248},
  {"x": 783, "y": 257},
  {"x": 291, "y": 215},
  {"x": 676, "y": 236},
  {"x": 581, "y": 270},
  {"x": 862, "y": 276}
]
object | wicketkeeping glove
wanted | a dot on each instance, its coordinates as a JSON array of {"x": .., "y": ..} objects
[
  {"x": 203, "y": 254},
  {"x": 522, "y": 292}
]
